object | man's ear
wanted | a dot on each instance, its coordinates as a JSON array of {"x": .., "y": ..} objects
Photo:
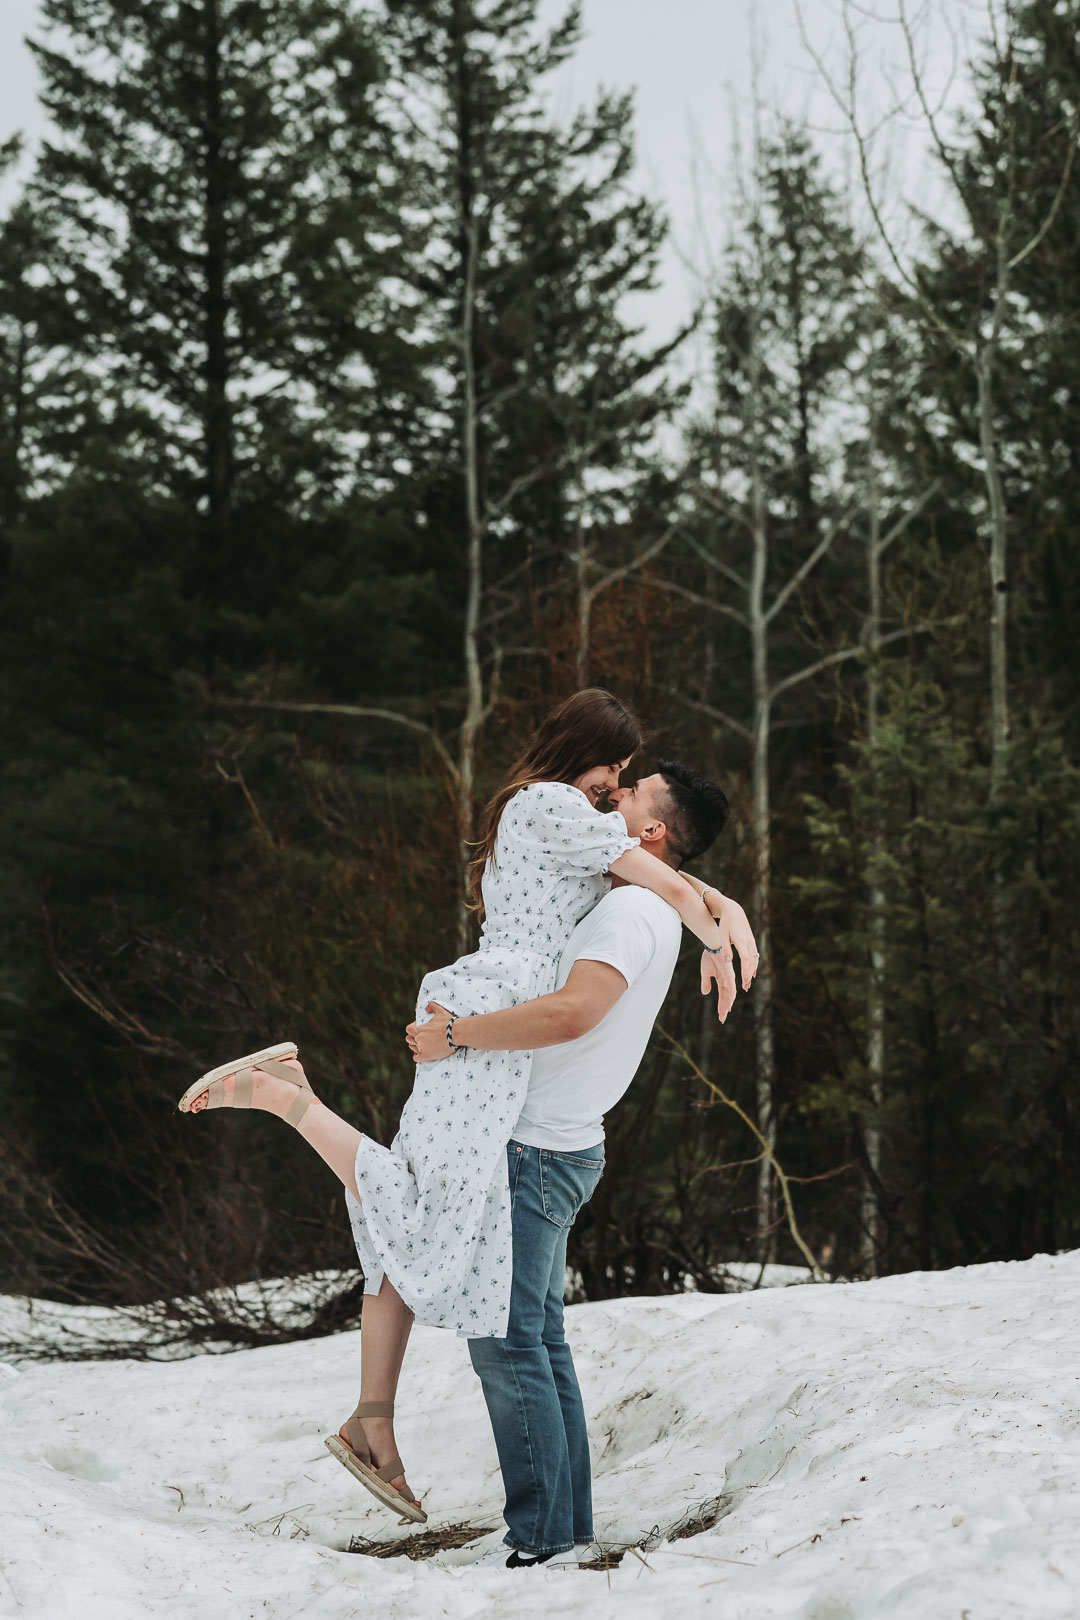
[{"x": 653, "y": 832}]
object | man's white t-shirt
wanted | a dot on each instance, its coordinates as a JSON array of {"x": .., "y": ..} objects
[{"x": 572, "y": 1086}]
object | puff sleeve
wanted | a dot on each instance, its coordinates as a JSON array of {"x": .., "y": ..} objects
[{"x": 554, "y": 827}]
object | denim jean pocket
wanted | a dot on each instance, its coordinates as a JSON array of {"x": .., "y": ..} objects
[{"x": 566, "y": 1184}]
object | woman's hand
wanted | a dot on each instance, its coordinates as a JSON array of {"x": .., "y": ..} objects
[
  {"x": 427, "y": 1042},
  {"x": 716, "y": 969},
  {"x": 731, "y": 917}
]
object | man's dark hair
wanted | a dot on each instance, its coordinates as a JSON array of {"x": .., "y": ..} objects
[{"x": 696, "y": 812}]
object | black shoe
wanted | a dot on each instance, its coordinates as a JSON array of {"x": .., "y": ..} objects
[
  {"x": 520, "y": 1560},
  {"x": 509, "y": 1558}
]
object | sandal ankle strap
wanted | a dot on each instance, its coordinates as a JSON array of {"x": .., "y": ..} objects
[
  {"x": 298, "y": 1107},
  {"x": 374, "y": 1409}
]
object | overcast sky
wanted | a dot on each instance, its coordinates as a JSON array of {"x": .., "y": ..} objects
[{"x": 690, "y": 63}]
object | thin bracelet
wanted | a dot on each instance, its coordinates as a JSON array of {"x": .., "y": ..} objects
[{"x": 451, "y": 1043}]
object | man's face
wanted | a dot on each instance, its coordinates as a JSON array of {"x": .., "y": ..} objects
[{"x": 640, "y": 805}]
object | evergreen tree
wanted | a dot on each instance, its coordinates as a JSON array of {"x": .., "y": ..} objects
[
  {"x": 215, "y": 249},
  {"x": 217, "y": 166},
  {"x": 976, "y": 1117}
]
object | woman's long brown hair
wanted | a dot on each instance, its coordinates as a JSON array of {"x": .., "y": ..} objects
[{"x": 589, "y": 729}]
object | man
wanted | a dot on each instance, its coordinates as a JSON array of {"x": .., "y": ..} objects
[{"x": 589, "y": 1036}]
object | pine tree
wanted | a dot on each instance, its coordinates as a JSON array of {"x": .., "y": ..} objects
[{"x": 217, "y": 162}]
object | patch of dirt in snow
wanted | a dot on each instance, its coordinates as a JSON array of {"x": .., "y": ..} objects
[
  {"x": 903, "y": 1448},
  {"x": 422, "y": 1543}
]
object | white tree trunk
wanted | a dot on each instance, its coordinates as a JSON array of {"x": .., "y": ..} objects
[
  {"x": 765, "y": 1055},
  {"x": 985, "y": 355},
  {"x": 584, "y": 612},
  {"x": 875, "y": 990},
  {"x": 763, "y": 983},
  {"x": 999, "y": 596},
  {"x": 474, "y": 538}
]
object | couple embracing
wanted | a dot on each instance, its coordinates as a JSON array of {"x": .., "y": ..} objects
[{"x": 521, "y": 1047}]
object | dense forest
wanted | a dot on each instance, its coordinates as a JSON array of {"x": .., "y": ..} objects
[{"x": 330, "y": 458}]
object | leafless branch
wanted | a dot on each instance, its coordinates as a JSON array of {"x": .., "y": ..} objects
[
  {"x": 516, "y": 652},
  {"x": 613, "y": 576},
  {"x": 352, "y": 711},
  {"x": 804, "y": 568},
  {"x": 713, "y": 713},
  {"x": 494, "y": 684},
  {"x": 729, "y": 612},
  {"x": 729, "y": 1102},
  {"x": 844, "y": 654},
  {"x": 1055, "y": 206},
  {"x": 724, "y": 568},
  {"x": 720, "y": 504},
  {"x": 848, "y": 108},
  {"x": 909, "y": 516},
  {"x": 928, "y": 112}
]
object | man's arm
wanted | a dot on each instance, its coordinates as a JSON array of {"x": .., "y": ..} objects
[{"x": 590, "y": 992}]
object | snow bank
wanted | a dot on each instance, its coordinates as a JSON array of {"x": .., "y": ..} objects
[
  {"x": 40, "y": 1327},
  {"x": 906, "y": 1448}
]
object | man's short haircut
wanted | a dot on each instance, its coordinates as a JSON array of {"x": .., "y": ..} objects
[{"x": 696, "y": 812}]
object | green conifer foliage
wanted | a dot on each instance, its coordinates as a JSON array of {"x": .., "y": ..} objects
[
  {"x": 1041, "y": 426},
  {"x": 217, "y": 164},
  {"x": 212, "y": 225},
  {"x": 978, "y": 1118}
]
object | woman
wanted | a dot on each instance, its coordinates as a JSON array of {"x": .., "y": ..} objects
[{"x": 431, "y": 1213}]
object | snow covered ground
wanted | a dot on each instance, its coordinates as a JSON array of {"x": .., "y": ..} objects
[{"x": 903, "y": 1448}]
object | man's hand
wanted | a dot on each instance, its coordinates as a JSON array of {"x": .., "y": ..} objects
[
  {"x": 716, "y": 969},
  {"x": 427, "y": 1042},
  {"x": 733, "y": 919}
]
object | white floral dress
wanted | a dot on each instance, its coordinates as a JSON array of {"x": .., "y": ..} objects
[{"x": 434, "y": 1210}]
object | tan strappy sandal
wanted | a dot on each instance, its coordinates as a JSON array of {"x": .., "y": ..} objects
[
  {"x": 356, "y": 1457},
  {"x": 270, "y": 1059}
]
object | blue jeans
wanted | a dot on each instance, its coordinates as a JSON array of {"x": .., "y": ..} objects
[{"x": 528, "y": 1378}]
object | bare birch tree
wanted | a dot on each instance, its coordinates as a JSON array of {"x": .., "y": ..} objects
[
  {"x": 617, "y": 533},
  {"x": 497, "y": 156},
  {"x": 766, "y": 529},
  {"x": 879, "y": 393},
  {"x": 1000, "y": 238},
  {"x": 776, "y": 502}
]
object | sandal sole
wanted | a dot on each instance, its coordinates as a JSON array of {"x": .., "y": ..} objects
[
  {"x": 285, "y": 1049},
  {"x": 368, "y": 1477}
]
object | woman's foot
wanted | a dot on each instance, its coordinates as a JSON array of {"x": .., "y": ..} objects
[
  {"x": 379, "y": 1434},
  {"x": 271, "y": 1095}
]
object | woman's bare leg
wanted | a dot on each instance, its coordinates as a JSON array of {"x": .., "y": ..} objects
[
  {"x": 334, "y": 1140},
  {"x": 385, "y": 1324},
  {"x": 385, "y": 1320},
  {"x": 332, "y": 1137}
]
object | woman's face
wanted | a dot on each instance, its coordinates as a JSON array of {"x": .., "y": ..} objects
[{"x": 595, "y": 783}]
